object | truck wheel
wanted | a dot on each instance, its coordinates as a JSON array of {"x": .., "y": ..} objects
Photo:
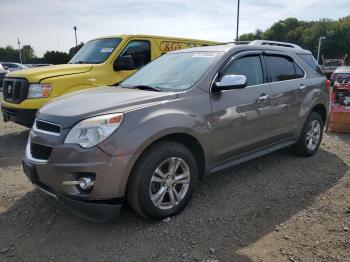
[
  {"x": 163, "y": 180},
  {"x": 311, "y": 136}
]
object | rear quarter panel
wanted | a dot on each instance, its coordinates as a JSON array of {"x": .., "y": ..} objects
[{"x": 316, "y": 94}]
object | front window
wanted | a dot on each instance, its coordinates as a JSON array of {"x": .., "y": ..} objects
[
  {"x": 173, "y": 72},
  {"x": 140, "y": 51},
  {"x": 250, "y": 67},
  {"x": 95, "y": 51}
]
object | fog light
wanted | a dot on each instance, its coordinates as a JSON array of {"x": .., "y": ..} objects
[{"x": 86, "y": 183}]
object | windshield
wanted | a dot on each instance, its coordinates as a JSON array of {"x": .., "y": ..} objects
[
  {"x": 173, "y": 72},
  {"x": 95, "y": 51}
]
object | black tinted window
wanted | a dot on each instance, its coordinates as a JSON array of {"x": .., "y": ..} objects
[
  {"x": 249, "y": 66},
  {"x": 140, "y": 52},
  {"x": 310, "y": 60},
  {"x": 280, "y": 68},
  {"x": 9, "y": 65}
]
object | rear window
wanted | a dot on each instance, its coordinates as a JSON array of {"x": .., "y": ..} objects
[
  {"x": 310, "y": 60},
  {"x": 333, "y": 63},
  {"x": 282, "y": 68}
]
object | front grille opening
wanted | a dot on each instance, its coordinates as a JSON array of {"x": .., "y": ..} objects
[
  {"x": 40, "y": 152},
  {"x": 49, "y": 127},
  {"x": 15, "y": 90}
]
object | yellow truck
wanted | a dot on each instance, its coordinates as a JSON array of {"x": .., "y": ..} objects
[{"x": 101, "y": 61}]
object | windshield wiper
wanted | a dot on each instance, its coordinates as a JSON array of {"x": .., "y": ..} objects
[{"x": 145, "y": 87}]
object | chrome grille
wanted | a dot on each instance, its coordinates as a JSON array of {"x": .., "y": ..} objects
[{"x": 15, "y": 90}]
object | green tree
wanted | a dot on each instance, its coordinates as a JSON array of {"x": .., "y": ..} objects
[
  {"x": 306, "y": 34},
  {"x": 9, "y": 54},
  {"x": 75, "y": 49},
  {"x": 27, "y": 53},
  {"x": 56, "y": 57}
]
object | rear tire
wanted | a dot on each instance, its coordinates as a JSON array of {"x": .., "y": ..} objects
[
  {"x": 163, "y": 180},
  {"x": 311, "y": 136}
]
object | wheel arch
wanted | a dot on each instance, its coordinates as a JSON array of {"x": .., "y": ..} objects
[
  {"x": 320, "y": 109},
  {"x": 185, "y": 139}
]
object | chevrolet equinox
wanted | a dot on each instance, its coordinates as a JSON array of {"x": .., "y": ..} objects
[{"x": 188, "y": 113}]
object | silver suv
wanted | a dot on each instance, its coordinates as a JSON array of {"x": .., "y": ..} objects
[
  {"x": 13, "y": 66},
  {"x": 187, "y": 114}
]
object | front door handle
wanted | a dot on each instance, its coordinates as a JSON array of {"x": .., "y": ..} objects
[
  {"x": 263, "y": 98},
  {"x": 302, "y": 87}
]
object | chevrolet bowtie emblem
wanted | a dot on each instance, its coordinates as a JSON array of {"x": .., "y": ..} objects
[
  {"x": 9, "y": 89},
  {"x": 32, "y": 134}
]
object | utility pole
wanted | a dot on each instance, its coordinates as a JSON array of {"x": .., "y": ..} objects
[
  {"x": 238, "y": 4},
  {"x": 58, "y": 43},
  {"x": 319, "y": 47},
  {"x": 19, "y": 50},
  {"x": 76, "y": 39}
]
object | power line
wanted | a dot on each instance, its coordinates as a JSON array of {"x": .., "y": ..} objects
[{"x": 238, "y": 5}]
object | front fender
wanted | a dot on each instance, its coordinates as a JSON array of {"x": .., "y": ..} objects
[
  {"x": 141, "y": 127},
  {"x": 137, "y": 133}
]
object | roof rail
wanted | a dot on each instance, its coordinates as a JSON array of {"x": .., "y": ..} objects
[
  {"x": 274, "y": 43},
  {"x": 238, "y": 42}
]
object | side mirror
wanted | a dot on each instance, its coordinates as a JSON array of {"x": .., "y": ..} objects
[
  {"x": 5, "y": 67},
  {"x": 229, "y": 82},
  {"x": 124, "y": 63}
]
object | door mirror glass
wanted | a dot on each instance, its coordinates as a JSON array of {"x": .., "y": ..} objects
[
  {"x": 232, "y": 82},
  {"x": 125, "y": 62}
]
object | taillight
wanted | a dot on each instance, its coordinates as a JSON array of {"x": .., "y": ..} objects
[{"x": 328, "y": 84}]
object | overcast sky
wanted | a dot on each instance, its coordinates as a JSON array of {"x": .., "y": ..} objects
[{"x": 48, "y": 25}]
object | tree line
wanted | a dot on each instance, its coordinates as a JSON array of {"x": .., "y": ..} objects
[
  {"x": 307, "y": 33},
  {"x": 303, "y": 33},
  {"x": 9, "y": 54}
]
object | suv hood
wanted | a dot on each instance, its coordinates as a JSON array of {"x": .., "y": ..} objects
[
  {"x": 69, "y": 109},
  {"x": 35, "y": 75}
]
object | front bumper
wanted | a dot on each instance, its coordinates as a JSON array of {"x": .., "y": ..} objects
[
  {"x": 24, "y": 117},
  {"x": 96, "y": 211},
  {"x": 66, "y": 163}
]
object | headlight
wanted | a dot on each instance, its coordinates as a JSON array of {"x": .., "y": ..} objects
[
  {"x": 39, "y": 90},
  {"x": 93, "y": 131}
]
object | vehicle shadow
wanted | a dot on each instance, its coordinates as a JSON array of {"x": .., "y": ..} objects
[
  {"x": 12, "y": 148},
  {"x": 230, "y": 210}
]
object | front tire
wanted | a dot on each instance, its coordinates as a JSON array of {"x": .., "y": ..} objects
[
  {"x": 311, "y": 136},
  {"x": 163, "y": 180}
]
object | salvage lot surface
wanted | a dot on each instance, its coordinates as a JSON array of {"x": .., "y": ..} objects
[{"x": 276, "y": 208}]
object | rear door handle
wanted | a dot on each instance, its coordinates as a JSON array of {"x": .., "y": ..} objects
[
  {"x": 263, "y": 98},
  {"x": 302, "y": 87}
]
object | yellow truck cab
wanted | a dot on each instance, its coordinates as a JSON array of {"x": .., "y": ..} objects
[{"x": 102, "y": 61}]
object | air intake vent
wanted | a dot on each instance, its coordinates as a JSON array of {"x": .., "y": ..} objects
[
  {"x": 47, "y": 127},
  {"x": 40, "y": 152}
]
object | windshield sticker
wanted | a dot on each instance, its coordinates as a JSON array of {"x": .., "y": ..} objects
[
  {"x": 204, "y": 55},
  {"x": 107, "y": 50}
]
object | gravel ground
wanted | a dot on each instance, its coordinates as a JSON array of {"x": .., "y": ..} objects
[{"x": 276, "y": 208}]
